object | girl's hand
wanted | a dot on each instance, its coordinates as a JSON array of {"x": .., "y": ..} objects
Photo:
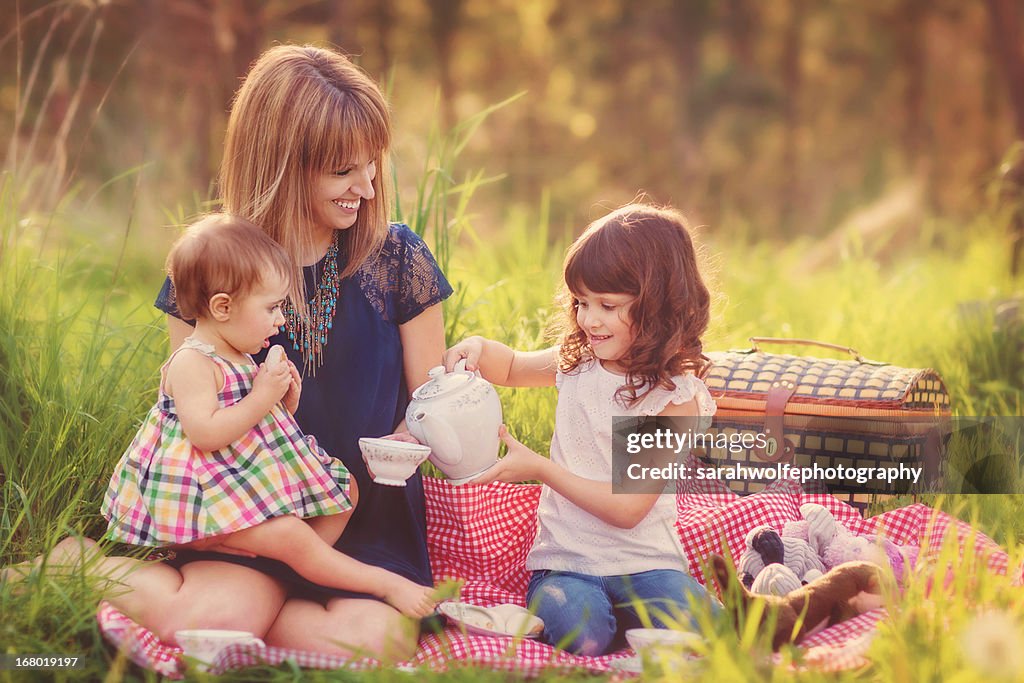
[
  {"x": 519, "y": 464},
  {"x": 470, "y": 348},
  {"x": 411, "y": 599},
  {"x": 291, "y": 396},
  {"x": 272, "y": 382}
]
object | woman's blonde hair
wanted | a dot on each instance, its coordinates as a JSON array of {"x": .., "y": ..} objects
[
  {"x": 303, "y": 111},
  {"x": 222, "y": 254}
]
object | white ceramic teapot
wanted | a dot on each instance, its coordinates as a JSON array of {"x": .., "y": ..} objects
[{"x": 458, "y": 415}]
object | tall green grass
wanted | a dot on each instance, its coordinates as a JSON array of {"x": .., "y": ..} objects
[{"x": 77, "y": 368}]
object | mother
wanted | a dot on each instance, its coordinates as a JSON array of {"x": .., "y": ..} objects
[{"x": 305, "y": 158}]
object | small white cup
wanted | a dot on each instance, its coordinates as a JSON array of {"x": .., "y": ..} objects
[
  {"x": 392, "y": 462},
  {"x": 644, "y": 640},
  {"x": 204, "y": 644}
]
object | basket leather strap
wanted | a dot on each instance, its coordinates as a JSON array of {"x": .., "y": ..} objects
[{"x": 779, "y": 448}]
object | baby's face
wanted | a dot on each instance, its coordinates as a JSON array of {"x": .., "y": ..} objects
[{"x": 257, "y": 316}]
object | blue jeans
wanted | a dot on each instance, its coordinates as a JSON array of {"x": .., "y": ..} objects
[{"x": 588, "y": 615}]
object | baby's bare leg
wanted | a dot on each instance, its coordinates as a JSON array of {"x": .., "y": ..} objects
[
  {"x": 294, "y": 542},
  {"x": 330, "y": 527}
]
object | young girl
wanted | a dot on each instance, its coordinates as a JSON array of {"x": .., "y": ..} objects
[
  {"x": 637, "y": 310},
  {"x": 219, "y": 460}
]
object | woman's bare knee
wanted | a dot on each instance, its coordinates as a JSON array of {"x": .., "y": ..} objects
[
  {"x": 346, "y": 627},
  {"x": 217, "y": 595}
]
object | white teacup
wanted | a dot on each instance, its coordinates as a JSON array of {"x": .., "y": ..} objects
[
  {"x": 204, "y": 644},
  {"x": 391, "y": 462},
  {"x": 647, "y": 639}
]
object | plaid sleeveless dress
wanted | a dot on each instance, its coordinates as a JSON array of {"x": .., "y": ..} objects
[{"x": 166, "y": 491}]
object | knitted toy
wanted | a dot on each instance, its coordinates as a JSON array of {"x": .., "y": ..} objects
[
  {"x": 835, "y": 544},
  {"x": 844, "y": 592},
  {"x": 789, "y": 561},
  {"x": 774, "y": 564}
]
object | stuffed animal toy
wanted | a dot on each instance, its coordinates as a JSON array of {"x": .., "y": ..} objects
[
  {"x": 835, "y": 544},
  {"x": 842, "y": 593},
  {"x": 765, "y": 548},
  {"x": 774, "y": 564}
]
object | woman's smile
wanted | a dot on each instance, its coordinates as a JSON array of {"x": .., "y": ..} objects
[
  {"x": 347, "y": 205},
  {"x": 341, "y": 194}
]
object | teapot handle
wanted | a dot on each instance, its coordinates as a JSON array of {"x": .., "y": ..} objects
[{"x": 460, "y": 366}]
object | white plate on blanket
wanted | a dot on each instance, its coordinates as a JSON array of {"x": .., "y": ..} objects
[{"x": 502, "y": 621}]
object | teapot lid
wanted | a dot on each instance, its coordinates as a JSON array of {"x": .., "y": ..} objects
[{"x": 442, "y": 382}]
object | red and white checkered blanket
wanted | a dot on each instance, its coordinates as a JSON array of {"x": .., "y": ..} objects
[{"x": 482, "y": 534}]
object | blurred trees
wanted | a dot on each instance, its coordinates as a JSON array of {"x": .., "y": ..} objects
[{"x": 781, "y": 118}]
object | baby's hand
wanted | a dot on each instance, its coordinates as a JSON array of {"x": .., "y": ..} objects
[
  {"x": 217, "y": 544},
  {"x": 291, "y": 396},
  {"x": 470, "y": 348},
  {"x": 411, "y": 599},
  {"x": 272, "y": 381}
]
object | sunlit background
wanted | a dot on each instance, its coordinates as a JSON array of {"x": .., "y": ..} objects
[
  {"x": 852, "y": 166},
  {"x": 775, "y": 119}
]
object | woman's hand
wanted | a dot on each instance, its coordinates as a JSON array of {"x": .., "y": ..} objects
[
  {"x": 272, "y": 382},
  {"x": 519, "y": 464},
  {"x": 409, "y": 598},
  {"x": 470, "y": 348},
  {"x": 291, "y": 396},
  {"x": 405, "y": 437}
]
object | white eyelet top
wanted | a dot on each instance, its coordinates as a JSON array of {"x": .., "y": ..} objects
[{"x": 571, "y": 539}]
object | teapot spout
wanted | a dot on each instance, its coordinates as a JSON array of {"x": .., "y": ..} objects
[{"x": 439, "y": 435}]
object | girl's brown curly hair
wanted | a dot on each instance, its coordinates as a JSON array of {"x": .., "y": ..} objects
[{"x": 646, "y": 252}]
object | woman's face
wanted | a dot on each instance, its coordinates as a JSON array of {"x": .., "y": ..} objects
[{"x": 341, "y": 193}]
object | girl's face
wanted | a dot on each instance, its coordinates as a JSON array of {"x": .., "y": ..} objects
[
  {"x": 605, "y": 319},
  {"x": 340, "y": 194},
  {"x": 257, "y": 316}
]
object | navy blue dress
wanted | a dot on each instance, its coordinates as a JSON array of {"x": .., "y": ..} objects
[{"x": 359, "y": 390}]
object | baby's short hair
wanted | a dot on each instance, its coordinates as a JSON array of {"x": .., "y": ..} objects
[{"x": 222, "y": 253}]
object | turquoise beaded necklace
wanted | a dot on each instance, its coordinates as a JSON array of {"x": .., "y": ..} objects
[{"x": 308, "y": 334}]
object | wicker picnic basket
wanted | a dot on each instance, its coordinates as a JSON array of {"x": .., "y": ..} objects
[{"x": 855, "y": 412}]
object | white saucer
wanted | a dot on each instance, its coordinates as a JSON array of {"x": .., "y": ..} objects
[
  {"x": 390, "y": 482},
  {"x": 492, "y": 621}
]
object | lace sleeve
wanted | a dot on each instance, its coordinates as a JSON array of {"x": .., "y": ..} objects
[
  {"x": 166, "y": 303},
  {"x": 687, "y": 388},
  {"x": 421, "y": 283}
]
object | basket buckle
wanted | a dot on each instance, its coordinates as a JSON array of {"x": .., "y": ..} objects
[{"x": 778, "y": 448}]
